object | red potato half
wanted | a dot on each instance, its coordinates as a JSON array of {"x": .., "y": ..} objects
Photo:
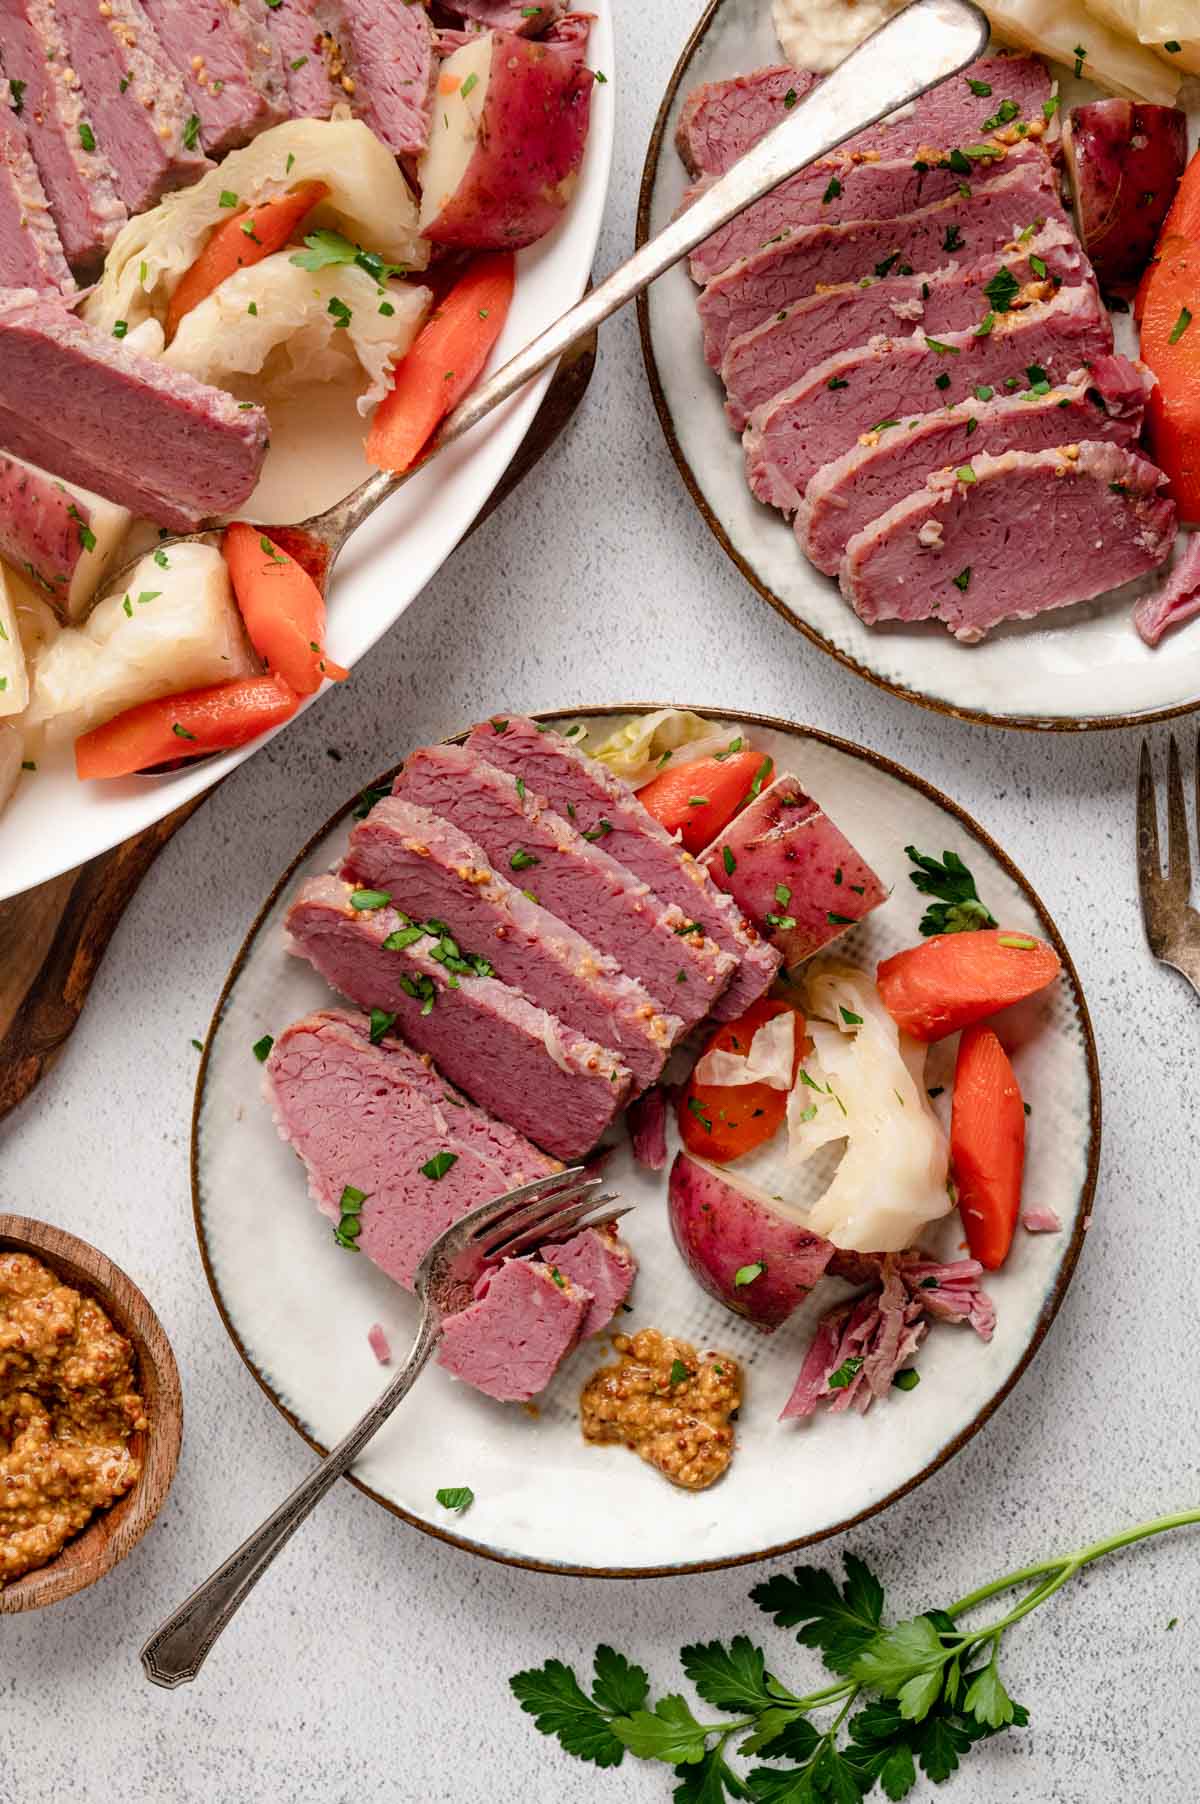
[
  {"x": 793, "y": 871},
  {"x": 510, "y": 121},
  {"x": 723, "y": 1233},
  {"x": 1124, "y": 159}
]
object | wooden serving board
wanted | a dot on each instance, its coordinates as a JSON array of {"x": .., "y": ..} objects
[{"x": 53, "y": 938}]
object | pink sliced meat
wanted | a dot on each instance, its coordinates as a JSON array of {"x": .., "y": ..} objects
[
  {"x": 510, "y": 15},
  {"x": 576, "y": 879},
  {"x": 761, "y": 363},
  {"x": 1176, "y": 601},
  {"x": 1041, "y": 1221},
  {"x": 960, "y": 230},
  {"x": 229, "y": 63},
  {"x": 432, "y": 871},
  {"x": 1034, "y": 530},
  {"x": 856, "y": 394},
  {"x": 42, "y": 526},
  {"x": 516, "y": 1061},
  {"x": 597, "y": 1262},
  {"x": 647, "y": 1121},
  {"x": 601, "y": 806},
  {"x": 31, "y": 252},
  {"x": 297, "y": 33},
  {"x": 379, "y": 1343},
  {"x": 1105, "y": 402},
  {"x": 722, "y": 119},
  {"x": 511, "y": 1340},
  {"x": 791, "y": 870},
  {"x": 384, "y": 49}
]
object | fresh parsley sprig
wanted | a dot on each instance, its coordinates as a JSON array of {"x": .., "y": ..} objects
[
  {"x": 959, "y": 910},
  {"x": 923, "y": 1692}
]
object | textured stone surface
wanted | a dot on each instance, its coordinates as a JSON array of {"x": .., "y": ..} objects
[{"x": 371, "y": 1663}]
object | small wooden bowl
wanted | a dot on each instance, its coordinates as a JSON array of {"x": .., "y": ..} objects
[{"x": 111, "y": 1533}]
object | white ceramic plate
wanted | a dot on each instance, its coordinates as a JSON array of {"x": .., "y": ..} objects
[
  {"x": 299, "y": 1309},
  {"x": 55, "y": 822},
  {"x": 1082, "y": 667}
]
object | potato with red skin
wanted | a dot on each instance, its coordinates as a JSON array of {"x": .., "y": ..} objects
[
  {"x": 1124, "y": 159},
  {"x": 510, "y": 122},
  {"x": 722, "y": 1232}
]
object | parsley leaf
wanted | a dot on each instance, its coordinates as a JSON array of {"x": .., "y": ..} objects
[
  {"x": 840, "y": 1622},
  {"x": 959, "y": 909},
  {"x": 668, "y": 1732},
  {"x": 551, "y": 1694},
  {"x": 733, "y": 1677},
  {"x": 618, "y": 1686}
]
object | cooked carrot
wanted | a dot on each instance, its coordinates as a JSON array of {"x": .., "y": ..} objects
[
  {"x": 1183, "y": 221},
  {"x": 987, "y": 1145},
  {"x": 184, "y": 726},
  {"x": 720, "y": 1122},
  {"x": 443, "y": 363},
  {"x": 1171, "y": 347},
  {"x": 698, "y": 800},
  {"x": 949, "y": 982},
  {"x": 282, "y": 607},
  {"x": 245, "y": 237}
]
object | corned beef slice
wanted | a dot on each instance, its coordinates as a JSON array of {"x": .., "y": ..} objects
[
  {"x": 1105, "y": 402},
  {"x": 599, "y": 1264},
  {"x": 721, "y": 120},
  {"x": 515, "y": 1060},
  {"x": 783, "y": 841},
  {"x": 1033, "y": 530},
  {"x": 78, "y": 179},
  {"x": 384, "y": 48},
  {"x": 600, "y": 803},
  {"x": 134, "y": 97},
  {"x": 511, "y": 1340},
  {"x": 575, "y": 878},
  {"x": 761, "y": 363},
  {"x": 372, "y": 1116},
  {"x": 31, "y": 252},
  {"x": 231, "y": 67},
  {"x": 198, "y": 452},
  {"x": 1177, "y": 601},
  {"x": 961, "y": 229},
  {"x": 819, "y": 417},
  {"x": 433, "y": 872},
  {"x": 294, "y": 28},
  {"x": 510, "y": 15}
]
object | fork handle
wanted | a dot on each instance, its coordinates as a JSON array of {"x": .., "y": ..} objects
[{"x": 178, "y": 1649}]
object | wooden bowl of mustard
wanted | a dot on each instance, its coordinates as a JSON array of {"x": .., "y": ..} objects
[{"x": 91, "y": 1416}]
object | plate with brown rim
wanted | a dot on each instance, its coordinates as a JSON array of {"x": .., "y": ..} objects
[
  {"x": 299, "y": 1309},
  {"x": 1064, "y": 671}
]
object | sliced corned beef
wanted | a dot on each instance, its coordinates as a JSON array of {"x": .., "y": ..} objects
[
  {"x": 31, "y": 252},
  {"x": 372, "y": 1117},
  {"x": 230, "y": 65},
  {"x": 834, "y": 191},
  {"x": 510, "y": 15},
  {"x": 517, "y": 1061},
  {"x": 600, "y": 804},
  {"x": 961, "y": 229},
  {"x": 761, "y": 363},
  {"x": 77, "y": 177},
  {"x": 311, "y": 92},
  {"x": 846, "y": 495},
  {"x": 64, "y": 536},
  {"x": 136, "y": 101},
  {"x": 575, "y": 878},
  {"x": 788, "y": 866},
  {"x": 721, "y": 120},
  {"x": 1177, "y": 601},
  {"x": 434, "y": 872},
  {"x": 153, "y": 439},
  {"x": 646, "y": 1119},
  {"x": 597, "y": 1262},
  {"x": 571, "y": 31},
  {"x": 898, "y": 379},
  {"x": 380, "y": 54},
  {"x": 511, "y": 1340},
  {"x": 1029, "y": 530}
]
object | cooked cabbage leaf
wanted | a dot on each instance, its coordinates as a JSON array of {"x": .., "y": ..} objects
[
  {"x": 649, "y": 743},
  {"x": 1156, "y": 23},
  {"x": 1060, "y": 28}
]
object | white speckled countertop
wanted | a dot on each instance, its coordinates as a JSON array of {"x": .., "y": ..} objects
[{"x": 372, "y": 1662}]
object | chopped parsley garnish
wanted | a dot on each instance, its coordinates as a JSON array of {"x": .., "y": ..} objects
[
  {"x": 1051, "y": 106},
  {"x": 845, "y": 1375},
  {"x": 1181, "y": 325},
  {"x": 958, "y": 162},
  {"x": 832, "y": 191},
  {"x": 839, "y": 920},
  {"x": 849, "y": 1017},
  {"x": 252, "y": 308},
  {"x": 325, "y": 249},
  {"x": 161, "y": 559},
  {"x": 1019, "y": 942},
  {"x": 953, "y": 241},
  {"x": 191, "y": 132},
  {"x": 790, "y": 99},
  {"x": 366, "y": 900},
  {"x": 342, "y": 315},
  {"x": 1002, "y": 290},
  {"x": 678, "y": 1373},
  {"x": 882, "y": 425},
  {"x": 982, "y": 88},
  {"x": 120, "y": 328},
  {"x": 380, "y": 1022},
  {"x": 963, "y": 579},
  {"x": 746, "y": 1274},
  {"x": 460, "y": 1497},
  {"x": 942, "y": 381},
  {"x": 907, "y": 1380},
  {"x": 731, "y": 750},
  {"x": 261, "y": 1048},
  {"x": 367, "y": 801},
  {"x": 942, "y": 348},
  {"x": 1004, "y": 114},
  {"x": 522, "y": 860},
  {"x": 985, "y": 325},
  {"x": 16, "y": 90},
  {"x": 696, "y": 1108},
  {"x": 688, "y": 927},
  {"x": 763, "y": 771},
  {"x": 972, "y": 425},
  {"x": 728, "y": 860},
  {"x": 403, "y": 937},
  {"x": 783, "y": 894},
  {"x": 1080, "y": 55},
  {"x": 247, "y": 225},
  {"x": 87, "y": 537},
  {"x": 887, "y": 264},
  {"x": 1172, "y": 48},
  {"x": 439, "y": 1165},
  {"x": 958, "y": 908},
  {"x": 272, "y": 551},
  {"x": 521, "y": 787},
  {"x": 837, "y": 382},
  {"x": 698, "y": 801},
  {"x": 599, "y": 831},
  {"x": 287, "y": 168},
  {"x": 181, "y": 732},
  {"x": 965, "y": 473},
  {"x": 227, "y": 198},
  {"x": 1038, "y": 266},
  {"x": 472, "y": 81},
  {"x": 298, "y": 62},
  {"x": 87, "y": 136},
  {"x": 386, "y": 308}
]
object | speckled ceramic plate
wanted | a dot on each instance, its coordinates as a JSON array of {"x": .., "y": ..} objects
[
  {"x": 299, "y": 1308},
  {"x": 1082, "y": 667}
]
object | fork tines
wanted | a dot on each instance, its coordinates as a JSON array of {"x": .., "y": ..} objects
[{"x": 1172, "y": 927}]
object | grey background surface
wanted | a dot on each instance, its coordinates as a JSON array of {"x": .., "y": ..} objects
[{"x": 372, "y": 1663}]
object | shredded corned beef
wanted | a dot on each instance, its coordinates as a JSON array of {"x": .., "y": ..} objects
[
  {"x": 864, "y": 1343},
  {"x": 380, "y": 1345},
  {"x": 1041, "y": 1221},
  {"x": 647, "y": 1119}
]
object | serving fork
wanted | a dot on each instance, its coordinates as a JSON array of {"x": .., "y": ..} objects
[
  {"x": 534, "y": 1215},
  {"x": 1172, "y": 924}
]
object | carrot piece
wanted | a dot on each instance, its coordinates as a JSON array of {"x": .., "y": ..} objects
[
  {"x": 949, "y": 982},
  {"x": 1171, "y": 347},
  {"x": 720, "y": 1122},
  {"x": 987, "y": 1145},
  {"x": 242, "y": 239},
  {"x": 282, "y": 607},
  {"x": 698, "y": 800},
  {"x": 443, "y": 363},
  {"x": 1182, "y": 221},
  {"x": 184, "y": 726}
]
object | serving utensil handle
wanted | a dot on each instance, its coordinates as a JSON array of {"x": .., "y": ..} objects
[
  {"x": 923, "y": 45},
  {"x": 178, "y": 1649}
]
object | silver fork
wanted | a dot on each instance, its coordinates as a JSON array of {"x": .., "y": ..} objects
[
  {"x": 1172, "y": 924},
  {"x": 445, "y": 1282}
]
